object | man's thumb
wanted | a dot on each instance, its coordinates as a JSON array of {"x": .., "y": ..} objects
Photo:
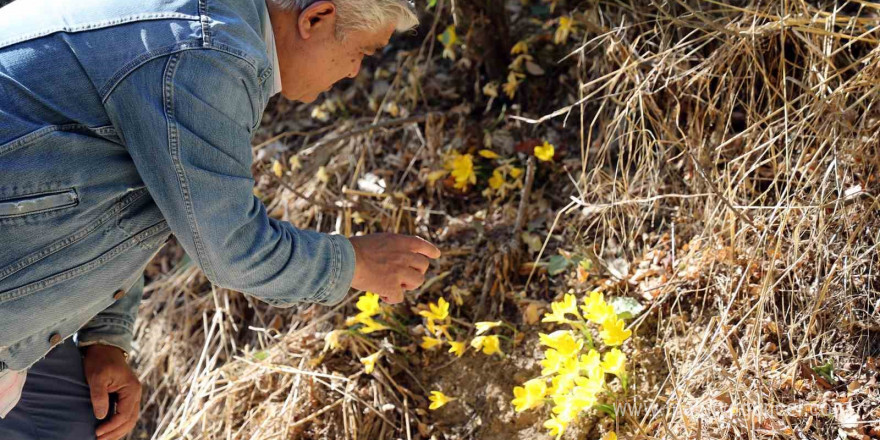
[{"x": 100, "y": 398}]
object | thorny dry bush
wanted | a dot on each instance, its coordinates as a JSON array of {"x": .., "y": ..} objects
[{"x": 717, "y": 162}]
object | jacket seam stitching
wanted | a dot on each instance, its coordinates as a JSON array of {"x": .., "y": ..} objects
[
  {"x": 98, "y": 25},
  {"x": 204, "y": 20},
  {"x": 73, "y": 238},
  {"x": 174, "y": 151},
  {"x": 36, "y": 286},
  {"x": 29, "y": 138},
  {"x": 139, "y": 61},
  {"x": 328, "y": 288}
]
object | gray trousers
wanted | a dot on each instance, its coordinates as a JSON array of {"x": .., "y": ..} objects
[{"x": 55, "y": 402}]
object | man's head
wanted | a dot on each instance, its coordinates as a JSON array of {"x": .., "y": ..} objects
[{"x": 320, "y": 42}]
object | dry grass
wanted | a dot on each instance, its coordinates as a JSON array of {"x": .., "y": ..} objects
[{"x": 727, "y": 152}]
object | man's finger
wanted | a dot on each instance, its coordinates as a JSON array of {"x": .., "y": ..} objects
[
  {"x": 424, "y": 247},
  {"x": 121, "y": 431},
  {"x": 412, "y": 279},
  {"x": 419, "y": 262},
  {"x": 392, "y": 297},
  {"x": 126, "y": 411},
  {"x": 100, "y": 396}
]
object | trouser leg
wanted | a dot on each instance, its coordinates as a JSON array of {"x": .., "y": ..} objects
[{"x": 55, "y": 402}]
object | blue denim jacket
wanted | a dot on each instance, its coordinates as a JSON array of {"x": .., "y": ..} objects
[{"x": 122, "y": 122}]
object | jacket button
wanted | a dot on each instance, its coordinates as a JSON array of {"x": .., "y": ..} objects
[
  {"x": 119, "y": 294},
  {"x": 54, "y": 339}
]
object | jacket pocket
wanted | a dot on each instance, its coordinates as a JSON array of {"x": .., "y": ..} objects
[{"x": 36, "y": 203}]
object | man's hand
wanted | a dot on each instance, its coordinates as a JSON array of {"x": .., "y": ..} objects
[
  {"x": 107, "y": 372},
  {"x": 389, "y": 264}
]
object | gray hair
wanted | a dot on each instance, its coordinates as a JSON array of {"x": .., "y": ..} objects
[{"x": 367, "y": 15}]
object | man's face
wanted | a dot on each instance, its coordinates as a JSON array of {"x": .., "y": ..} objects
[{"x": 311, "y": 58}]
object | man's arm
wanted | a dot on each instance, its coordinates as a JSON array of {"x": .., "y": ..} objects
[{"x": 187, "y": 121}]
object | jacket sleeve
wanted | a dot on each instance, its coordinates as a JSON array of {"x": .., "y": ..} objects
[
  {"x": 114, "y": 325},
  {"x": 187, "y": 120}
]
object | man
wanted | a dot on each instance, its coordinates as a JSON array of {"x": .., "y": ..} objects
[{"x": 122, "y": 122}]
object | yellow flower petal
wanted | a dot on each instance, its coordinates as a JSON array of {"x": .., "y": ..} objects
[
  {"x": 438, "y": 399},
  {"x": 457, "y": 348},
  {"x": 489, "y": 154},
  {"x": 429, "y": 343},
  {"x": 483, "y": 327},
  {"x": 614, "y": 332},
  {"x": 370, "y": 361},
  {"x": 545, "y": 152},
  {"x": 368, "y": 304},
  {"x": 614, "y": 362}
]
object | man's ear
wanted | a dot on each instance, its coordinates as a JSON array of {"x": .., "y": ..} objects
[{"x": 317, "y": 18}]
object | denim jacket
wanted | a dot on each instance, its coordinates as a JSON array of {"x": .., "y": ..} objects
[{"x": 122, "y": 122}]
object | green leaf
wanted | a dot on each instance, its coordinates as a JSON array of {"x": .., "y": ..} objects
[
  {"x": 607, "y": 409},
  {"x": 585, "y": 263},
  {"x": 826, "y": 371},
  {"x": 261, "y": 355},
  {"x": 626, "y": 307},
  {"x": 432, "y": 3},
  {"x": 557, "y": 265}
]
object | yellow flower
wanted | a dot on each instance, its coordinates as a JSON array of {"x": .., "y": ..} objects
[
  {"x": 596, "y": 309},
  {"x": 563, "y": 30},
  {"x": 520, "y": 47},
  {"x": 437, "y": 311},
  {"x": 582, "y": 397},
  {"x": 513, "y": 82},
  {"x": 562, "y": 341},
  {"x": 434, "y": 176},
  {"x": 370, "y": 361},
  {"x": 589, "y": 385},
  {"x": 277, "y": 168},
  {"x": 448, "y": 38},
  {"x": 515, "y": 172},
  {"x": 491, "y": 89},
  {"x": 489, "y": 344},
  {"x": 496, "y": 180},
  {"x": 331, "y": 340},
  {"x": 294, "y": 163},
  {"x": 555, "y": 426},
  {"x": 614, "y": 362},
  {"x": 591, "y": 364},
  {"x": 368, "y": 304},
  {"x": 483, "y": 327},
  {"x": 489, "y": 154},
  {"x": 545, "y": 152},
  {"x": 370, "y": 325},
  {"x": 562, "y": 384},
  {"x": 552, "y": 362},
  {"x": 457, "y": 348},
  {"x": 530, "y": 396},
  {"x": 438, "y": 399},
  {"x": 560, "y": 308},
  {"x": 429, "y": 343},
  {"x": 611, "y": 435},
  {"x": 463, "y": 171},
  {"x": 613, "y": 332}
]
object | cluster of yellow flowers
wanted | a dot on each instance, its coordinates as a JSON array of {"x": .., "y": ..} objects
[
  {"x": 438, "y": 323},
  {"x": 365, "y": 321},
  {"x": 462, "y": 169},
  {"x": 573, "y": 366}
]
